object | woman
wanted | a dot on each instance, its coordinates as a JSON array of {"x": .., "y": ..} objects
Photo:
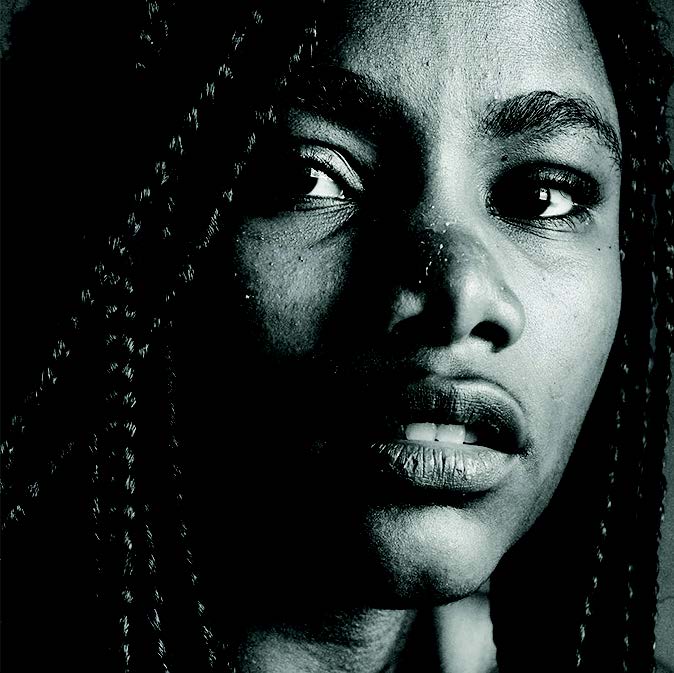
[{"x": 389, "y": 270}]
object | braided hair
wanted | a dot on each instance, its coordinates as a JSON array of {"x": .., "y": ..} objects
[{"x": 106, "y": 578}]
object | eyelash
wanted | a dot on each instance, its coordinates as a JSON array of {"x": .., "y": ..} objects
[
  {"x": 582, "y": 189},
  {"x": 349, "y": 190},
  {"x": 296, "y": 164}
]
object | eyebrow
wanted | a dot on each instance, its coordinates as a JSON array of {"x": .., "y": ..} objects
[
  {"x": 345, "y": 97},
  {"x": 545, "y": 113},
  {"x": 359, "y": 101}
]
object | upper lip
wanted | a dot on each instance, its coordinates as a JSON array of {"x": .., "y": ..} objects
[{"x": 485, "y": 408}]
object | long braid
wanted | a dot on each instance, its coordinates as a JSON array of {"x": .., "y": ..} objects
[
  {"x": 179, "y": 142},
  {"x": 115, "y": 468},
  {"x": 121, "y": 401},
  {"x": 128, "y": 342},
  {"x": 641, "y": 456},
  {"x": 199, "y": 247},
  {"x": 607, "y": 575},
  {"x": 641, "y": 462},
  {"x": 637, "y": 307},
  {"x": 152, "y": 201},
  {"x": 149, "y": 606},
  {"x": 643, "y": 517},
  {"x": 108, "y": 311},
  {"x": 651, "y": 496},
  {"x": 30, "y": 454}
]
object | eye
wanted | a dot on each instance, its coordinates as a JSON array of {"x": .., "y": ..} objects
[
  {"x": 300, "y": 178},
  {"x": 544, "y": 197},
  {"x": 549, "y": 202},
  {"x": 290, "y": 183},
  {"x": 310, "y": 182}
]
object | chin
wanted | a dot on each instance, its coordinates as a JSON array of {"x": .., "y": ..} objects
[
  {"x": 427, "y": 556},
  {"x": 391, "y": 558}
]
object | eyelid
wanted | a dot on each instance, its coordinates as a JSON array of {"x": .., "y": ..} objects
[
  {"x": 556, "y": 176},
  {"x": 332, "y": 162},
  {"x": 584, "y": 190}
]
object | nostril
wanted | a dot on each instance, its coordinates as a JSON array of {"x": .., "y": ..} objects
[
  {"x": 492, "y": 332},
  {"x": 423, "y": 330}
]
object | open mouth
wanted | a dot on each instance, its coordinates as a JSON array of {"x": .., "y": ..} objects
[
  {"x": 439, "y": 432},
  {"x": 458, "y": 412},
  {"x": 450, "y": 437}
]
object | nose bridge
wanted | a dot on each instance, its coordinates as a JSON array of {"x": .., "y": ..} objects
[
  {"x": 460, "y": 284},
  {"x": 459, "y": 265},
  {"x": 454, "y": 254}
]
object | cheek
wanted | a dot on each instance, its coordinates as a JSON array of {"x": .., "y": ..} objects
[
  {"x": 575, "y": 325},
  {"x": 290, "y": 294}
]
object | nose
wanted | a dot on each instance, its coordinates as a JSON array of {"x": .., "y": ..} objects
[{"x": 455, "y": 290}]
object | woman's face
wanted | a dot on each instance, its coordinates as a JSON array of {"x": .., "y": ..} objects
[{"x": 425, "y": 291}]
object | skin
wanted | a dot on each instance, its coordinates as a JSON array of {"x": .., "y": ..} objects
[{"x": 402, "y": 268}]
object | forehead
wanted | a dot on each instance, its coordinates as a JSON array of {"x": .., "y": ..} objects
[{"x": 463, "y": 55}]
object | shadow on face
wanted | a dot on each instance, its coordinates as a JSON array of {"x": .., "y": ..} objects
[{"x": 424, "y": 291}]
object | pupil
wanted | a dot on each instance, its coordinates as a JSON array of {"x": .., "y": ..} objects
[
  {"x": 539, "y": 203},
  {"x": 526, "y": 201},
  {"x": 302, "y": 182}
]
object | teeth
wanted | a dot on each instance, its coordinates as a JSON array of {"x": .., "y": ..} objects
[
  {"x": 456, "y": 434},
  {"x": 429, "y": 432},
  {"x": 424, "y": 432}
]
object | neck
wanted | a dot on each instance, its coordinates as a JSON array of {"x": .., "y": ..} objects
[
  {"x": 363, "y": 641},
  {"x": 454, "y": 639}
]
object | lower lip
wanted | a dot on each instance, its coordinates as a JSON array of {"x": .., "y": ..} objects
[{"x": 452, "y": 468}]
